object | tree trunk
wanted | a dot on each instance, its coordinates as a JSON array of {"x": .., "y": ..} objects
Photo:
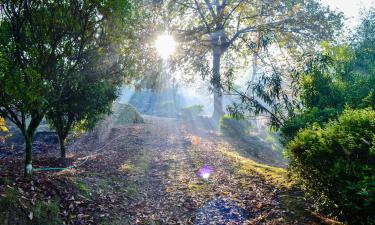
[
  {"x": 62, "y": 146},
  {"x": 216, "y": 82},
  {"x": 28, "y": 160},
  {"x": 29, "y": 134}
]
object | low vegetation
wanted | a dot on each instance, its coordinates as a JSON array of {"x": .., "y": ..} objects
[
  {"x": 125, "y": 114},
  {"x": 191, "y": 111},
  {"x": 335, "y": 165},
  {"x": 14, "y": 210}
]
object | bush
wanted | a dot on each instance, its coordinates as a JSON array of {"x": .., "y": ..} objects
[
  {"x": 233, "y": 127},
  {"x": 303, "y": 120},
  {"x": 126, "y": 114},
  {"x": 336, "y": 165},
  {"x": 191, "y": 111}
]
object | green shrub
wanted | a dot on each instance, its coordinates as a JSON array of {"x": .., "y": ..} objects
[
  {"x": 233, "y": 127},
  {"x": 336, "y": 165},
  {"x": 303, "y": 120},
  {"x": 191, "y": 111},
  {"x": 126, "y": 114}
]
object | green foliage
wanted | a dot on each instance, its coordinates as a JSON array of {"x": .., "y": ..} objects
[
  {"x": 191, "y": 111},
  {"x": 304, "y": 119},
  {"x": 336, "y": 165},
  {"x": 330, "y": 82},
  {"x": 233, "y": 127},
  {"x": 90, "y": 73}
]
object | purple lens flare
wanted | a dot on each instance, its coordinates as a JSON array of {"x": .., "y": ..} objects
[{"x": 205, "y": 172}]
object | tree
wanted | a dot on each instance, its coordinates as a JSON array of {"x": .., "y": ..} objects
[
  {"x": 36, "y": 36},
  {"x": 82, "y": 108},
  {"x": 89, "y": 75},
  {"x": 340, "y": 76},
  {"x": 229, "y": 29}
]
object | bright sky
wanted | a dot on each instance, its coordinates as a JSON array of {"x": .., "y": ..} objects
[{"x": 351, "y": 8}]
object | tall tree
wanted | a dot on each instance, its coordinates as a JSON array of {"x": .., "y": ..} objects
[{"x": 210, "y": 31}]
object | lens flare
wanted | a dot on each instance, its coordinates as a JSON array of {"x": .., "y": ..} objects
[{"x": 205, "y": 172}]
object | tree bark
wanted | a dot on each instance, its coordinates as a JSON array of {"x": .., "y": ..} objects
[
  {"x": 28, "y": 135},
  {"x": 216, "y": 82},
  {"x": 62, "y": 146},
  {"x": 28, "y": 152}
]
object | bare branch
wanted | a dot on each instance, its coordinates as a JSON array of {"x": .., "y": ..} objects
[
  {"x": 209, "y": 6},
  {"x": 202, "y": 16}
]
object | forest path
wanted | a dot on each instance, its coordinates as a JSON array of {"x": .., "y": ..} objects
[{"x": 149, "y": 174}]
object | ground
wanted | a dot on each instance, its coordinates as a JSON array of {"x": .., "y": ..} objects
[{"x": 151, "y": 173}]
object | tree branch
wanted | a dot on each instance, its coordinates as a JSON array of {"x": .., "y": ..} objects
[{"x": 209, "y": 6}]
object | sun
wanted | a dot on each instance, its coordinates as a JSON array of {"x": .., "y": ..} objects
[{"x": 165, "y": 45}]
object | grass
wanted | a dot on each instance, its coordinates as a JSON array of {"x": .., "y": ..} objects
[
  {"x": 291, "y": 199},
  {"x": 274, "y": 175},
  {"x": 47, "y": 213},
  {"x": 140, "y": 166},
  {"x": 43, "y": 212}
]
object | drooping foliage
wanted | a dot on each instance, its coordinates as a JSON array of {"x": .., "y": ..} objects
[{"x": 217, "y": 38}]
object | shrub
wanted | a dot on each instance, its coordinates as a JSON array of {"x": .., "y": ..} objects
[
  {"x": 126, "y": 114},
  {"x": 233, "y": 127},
  {"x": 191, "y": 111},
  {"x": 303, "y": 120},
  {"x": 336, "y": 165}
]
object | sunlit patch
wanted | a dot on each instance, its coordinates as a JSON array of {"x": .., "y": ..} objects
[
  {"x": 195, "y": 140},
  {"x": 205, "y": 172},
  {"x": 165, "y": 45},
  {"x": 126, "y": 167}
]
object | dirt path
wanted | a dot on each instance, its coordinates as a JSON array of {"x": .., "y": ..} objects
[{"x": 150, "y": 175}]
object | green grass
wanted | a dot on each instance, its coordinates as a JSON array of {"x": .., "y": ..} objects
[
  {"x": 245, "y": 166},
  {"x": 46, "y": 213}
]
